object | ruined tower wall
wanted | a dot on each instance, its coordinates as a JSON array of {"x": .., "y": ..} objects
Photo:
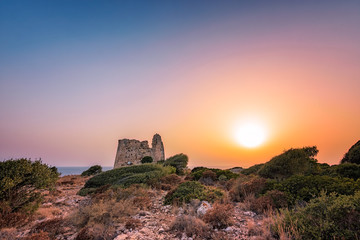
[
  {"x": 132, "y": 151},
  {"x": 157, "y": 148}
]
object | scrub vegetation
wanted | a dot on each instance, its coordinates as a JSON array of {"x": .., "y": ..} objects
[{"x": 292, "y": 196}]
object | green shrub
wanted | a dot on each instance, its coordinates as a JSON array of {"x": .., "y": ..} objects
[
  {"x": 19, "y": 180},
  {"x": 179, "y": 162},
  {"x": 325, "y": 217},
  {"x": 353, "y": 155},
  {"x": 291, "y": 162},
  {"x": 198, "y": 172},
  {"x": 304, "y": 188},
  {"x": 126, "y": 176},
  {"x": 93, "y": 170},
  {"x": 348, "y": 170},
  {"x": 253, "y": 169},
  {"x": 146, "y": 159},
  {"x": 192, "y": 190}
]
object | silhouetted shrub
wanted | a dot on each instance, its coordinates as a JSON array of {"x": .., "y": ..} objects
[
  {"x": 179, "y": 162},
  {"x": 219, "y": 216},
  {"x": 146, "y": 159},
  {"x": 291, "y": 162},
  {"x": 93, "y": 170},
  {"x": 19, "y": 180},
  {"x": 353, "y": 155},
  {"x": 192, "y": 190},
  {"x": 325, "y": 217},
  {"x": 126, "y": 176}
]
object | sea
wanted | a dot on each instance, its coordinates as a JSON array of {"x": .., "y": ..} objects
[{"x": 77, "y": 170}]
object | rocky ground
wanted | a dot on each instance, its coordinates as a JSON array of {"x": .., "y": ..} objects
[{"x": 153, "y": 223}]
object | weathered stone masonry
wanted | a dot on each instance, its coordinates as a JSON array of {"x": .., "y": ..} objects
[{"x": 131, "y": 151}]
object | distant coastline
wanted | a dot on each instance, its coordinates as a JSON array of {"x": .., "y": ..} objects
[{"x": 77, "y": 170}]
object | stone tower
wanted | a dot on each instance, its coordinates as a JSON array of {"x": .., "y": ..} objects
[
  {"x": 157, "y": 147},
  {"x": 131, "y": 151}
]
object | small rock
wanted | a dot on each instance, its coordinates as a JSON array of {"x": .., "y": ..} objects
[
  {"x": 228, "y": 229},
  {"x": 203, "y": 208},
  {"x": 250, "y": 213}
]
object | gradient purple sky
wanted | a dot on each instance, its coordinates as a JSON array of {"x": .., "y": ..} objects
[{"x": 77, "y": 76}]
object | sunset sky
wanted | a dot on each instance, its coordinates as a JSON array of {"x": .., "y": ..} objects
[{"x": 76, "y": 76}]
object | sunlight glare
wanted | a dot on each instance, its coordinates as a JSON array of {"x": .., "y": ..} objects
[{"x": 250, "y": 134}]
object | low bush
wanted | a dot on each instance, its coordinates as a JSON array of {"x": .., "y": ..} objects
[
  {"x": 289, "y": 163},
  {"x": 253, "y": 169},
  {"x": 97, "y": 219},
  {"x": 247, "y": 186},
  {"x": 192, "y": 190},
  {"x": 348, "y": 170},
  {"x": 191, "y": 226},
  {"x": 168, "y": 182},
  {"x": 219, "y": 216},
  {"x": 198, "y": 173},
  {"x": 20, "y": 181},
  {"x": 273, "y": 199},
  {"x": 179, "y": 162},
  {"x": 303, "y": 188},
  {"x": 93, "y": 170},
  {"x": 325, "y": 217},
  {"x": 126, "y": 176}
]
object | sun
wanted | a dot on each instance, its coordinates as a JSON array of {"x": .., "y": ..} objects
[{"x": 250, "y": 134}]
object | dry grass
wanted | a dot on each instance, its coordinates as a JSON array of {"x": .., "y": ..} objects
[
  {"x": 259, "y": 231},
  {"x": 8, "y": 233},
  {"x": 71, "y": 180},
  {"x": 108, "y": 208},
  {"x": 191, "y": 226},
  {"x": 167, "y": 182},
  {"x": 38, "y": 236},
  {"x": 220, "y": 216},
  {"x": 104, "y": 212},
  {"x": 52, "y": 227},
  {"x": 15, "y": 219},
  {"x": 47, "y": 212},
  {"x": 246, "y": 186},
  {"x": 132, "y": 223},
  {"x": 247, "y": 202},
  {"x": 98, "y": 231}
]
